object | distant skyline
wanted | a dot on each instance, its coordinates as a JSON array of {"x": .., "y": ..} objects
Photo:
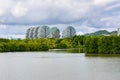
[{"x": 85, "y": 15}]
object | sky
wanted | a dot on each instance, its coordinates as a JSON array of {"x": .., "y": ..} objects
[{"x": 86, "y": 16}]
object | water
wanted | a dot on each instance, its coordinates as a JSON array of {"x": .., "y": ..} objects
[{"x": 57, "y": 66}]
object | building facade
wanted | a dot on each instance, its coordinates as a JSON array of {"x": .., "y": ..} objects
[
  {"x": 68, "y": 32},
  {"x": 118, "y": 32},
  {"x": 55, "y": 32}
]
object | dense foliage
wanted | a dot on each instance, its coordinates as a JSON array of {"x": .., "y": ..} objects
[
  {"x": 90, "y": 44},
  {"x": 102, "y": 44},
  {"x": 21, "y": 45},
  {"x": 42, "y": 44}
]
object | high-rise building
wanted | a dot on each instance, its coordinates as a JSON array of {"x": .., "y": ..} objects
[
  {"x": 118, "y": 32},
  {"x": 55, "y": 32},
  {"x": 43, "y": 32},
  {"x": 27, "y": 33},
  {"x": 38, "y": 32},
  {"x": 68, "y": 32},
  {"x": 35, "y": 32},
  {"x": 46, "y": 32}
]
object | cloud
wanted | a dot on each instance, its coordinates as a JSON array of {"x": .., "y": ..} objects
[
  {"x": 19, "y": 10},
  {"x": 112, "y": 7},
  {"x": 86, "y": 15},
  {"x": 40, "y": 12},
  {"x": 102, "y": 2},
  {"x": 51, "y": 11},
  {"x": 12, "y": 36},
  {"x": 10, "y": 31},
  {"x": 80, "y": 33}
]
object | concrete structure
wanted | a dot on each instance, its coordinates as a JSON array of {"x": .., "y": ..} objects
[
  {"x": 35, "y": 32},
  {"x": 38, "y": 32},
  {"x": 27, "y": 33},
  {"x": 68, "y": 32},
  {"x": 55, "y": 32},
  {"x": 118, "y": 32},
  {"x": 43, "y": 32},
  {"x": 46, "y": 32}
]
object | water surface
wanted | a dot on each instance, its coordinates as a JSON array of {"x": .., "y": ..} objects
[{"x": 57, "y": 66}]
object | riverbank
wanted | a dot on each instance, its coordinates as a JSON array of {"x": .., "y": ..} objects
[{"x": 102, "y": 55}]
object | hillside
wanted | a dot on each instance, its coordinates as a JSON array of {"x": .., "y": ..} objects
[{"x": 101, "y": 32}]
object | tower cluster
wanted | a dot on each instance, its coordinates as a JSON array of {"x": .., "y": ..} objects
[{"x": 46, "y": 32}]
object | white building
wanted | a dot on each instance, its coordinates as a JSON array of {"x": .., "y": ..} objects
[{"x": 118, "y": 32}]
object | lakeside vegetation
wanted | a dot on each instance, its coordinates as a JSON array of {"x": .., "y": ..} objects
[
  {"x": 102, "y": 44},
  {"x": 89, "y": 44},
  {"x": 42, "y": 44}
]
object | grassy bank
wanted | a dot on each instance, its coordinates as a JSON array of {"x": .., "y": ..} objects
[{"x": 102, "y": 55}]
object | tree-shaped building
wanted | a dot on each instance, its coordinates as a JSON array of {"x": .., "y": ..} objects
[
  {"x": 55, "y": 32},
  {"x": 68, "y": 32}
]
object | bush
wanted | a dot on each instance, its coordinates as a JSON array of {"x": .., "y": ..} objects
[{"x": 61, "y": 46}]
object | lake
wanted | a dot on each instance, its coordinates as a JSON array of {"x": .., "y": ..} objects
[{"x": 57, "y": 66}]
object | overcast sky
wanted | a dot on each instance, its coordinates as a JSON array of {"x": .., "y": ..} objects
[{"x": 85, "y": 15}]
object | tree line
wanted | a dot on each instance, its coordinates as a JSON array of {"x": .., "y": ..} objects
[
  {"x": 90, "y": 44},
  {"x": 41, "y": 44},
  {"x": 102, "y": 44}
]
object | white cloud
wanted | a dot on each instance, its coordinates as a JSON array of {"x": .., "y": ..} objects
[
  {"x": 41, "y": 11},
  {"x": 86, "y": 15},
  {"x": 5, "y": 5},
  {"x": 102, "y": 2},
  {"x": 111, "y": 21},
  {"x": 80, "y": 33},
  {"x": 19, "y": 10},
  {"x": 112, "y": 7},
  {"x": 12, "y": 36},
  {"x": 1, "y": 12}
]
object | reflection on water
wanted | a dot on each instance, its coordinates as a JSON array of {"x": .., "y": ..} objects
[
  {"x": 53, "y": 66},
  {"x": 73, "y": 50}
]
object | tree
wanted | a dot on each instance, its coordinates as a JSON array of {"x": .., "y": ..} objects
[
  {"x": 86, "y": 44},
  {"x": 91, "y": 44},
  {"x": 115, "y": 44},
  {"x": 1, "y": 48},
  {"x": 77, "y": 41},
  {"x": 105, "y": 44}
]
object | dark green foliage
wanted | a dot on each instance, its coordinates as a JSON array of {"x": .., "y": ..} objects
[
  {"x": 102, "y": 45},
  {"x": 1, "y": 47},
  {"x": 61, "y": 46},
  {"x": 43, "y": 47},
  {"x": 87, "y": 44},
  {"x": 22, "y": 45},
  {"x": 115, "y": 44},
  {"x": 105, "y": 44},
  {"x": 90, "y": 44},
  {"x": 4, "y": 40},
  {"x": 77, "y": 41}
]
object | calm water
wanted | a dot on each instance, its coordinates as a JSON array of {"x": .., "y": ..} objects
[{"x": 57, "y": 66}]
